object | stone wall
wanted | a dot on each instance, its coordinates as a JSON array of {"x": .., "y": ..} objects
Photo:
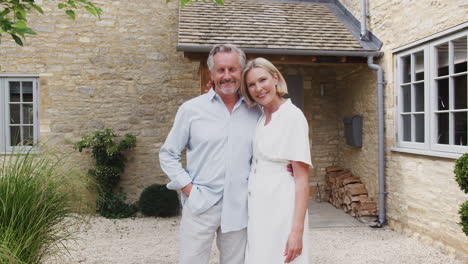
[
  {"x": 120, "y": 72},
  {"x": 423, "y": 198},
  {"x": 357, "y": 95}
]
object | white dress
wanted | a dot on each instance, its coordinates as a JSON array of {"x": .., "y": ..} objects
[{"x": 272, "y": 188}]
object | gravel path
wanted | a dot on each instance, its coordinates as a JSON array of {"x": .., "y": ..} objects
[{"x": 155, "y": 240}]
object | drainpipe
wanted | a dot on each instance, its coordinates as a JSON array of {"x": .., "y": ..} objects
[
  {"x": 380, "y": 107},
  {"x": 364, "y": 34}
]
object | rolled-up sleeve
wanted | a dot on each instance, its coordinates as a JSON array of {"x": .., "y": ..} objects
[{"x": 170, "y": 152}]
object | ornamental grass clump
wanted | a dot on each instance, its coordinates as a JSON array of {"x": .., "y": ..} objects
[
  {"x": 461, "y": 177},
  {"x": 37, "y": 207}
]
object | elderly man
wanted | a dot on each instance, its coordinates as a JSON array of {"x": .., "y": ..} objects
[{"x": 217, "y": 130}]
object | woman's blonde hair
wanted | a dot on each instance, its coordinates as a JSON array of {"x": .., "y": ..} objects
[{"x": 281, "y": 87}]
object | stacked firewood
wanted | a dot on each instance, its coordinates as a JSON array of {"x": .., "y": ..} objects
[{"x": 347, "y": 191}]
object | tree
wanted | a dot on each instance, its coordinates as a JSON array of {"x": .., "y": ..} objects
[{"x": 13, "y": 15}]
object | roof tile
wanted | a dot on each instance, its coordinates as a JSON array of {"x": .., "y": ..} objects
[{"x": 270, "y": 25}]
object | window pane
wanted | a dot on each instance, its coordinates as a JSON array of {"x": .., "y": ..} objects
[
  {"x": 15, "y": 136},
  {"x": 442, "y": 59},
  {"x": 406, "y": 97},
  {"x": 406, "y": 127},
  {"x": 27, "y": 91},
  {"x": 419, "y": 66},
  {"x": 460, "y": 128},
  {"x": 443, "y": 128},
  {"x": 15, "y": 114},
  {"x": 460, "y": 89},
  {"x": 443, "y": 94},
  {"x": 460, "y": 55},
  {"x": 406, "y": 69},
  {"x": 419, "y": 97},
  {"x": 28, "y": 115},
  {"x": 28, "y": 136},
  {"x": 15, "y": 91},
  {"x": 419, "y": 127}
]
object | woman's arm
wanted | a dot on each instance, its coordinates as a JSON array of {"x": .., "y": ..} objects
[{"x": 301, "y": 178}]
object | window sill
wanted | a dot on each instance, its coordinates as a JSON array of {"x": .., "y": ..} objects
[
  {"x": 446, "y": 155},
  {"x": 23, "y": 151}
]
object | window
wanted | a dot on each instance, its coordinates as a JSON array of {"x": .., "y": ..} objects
[
  {"x": 432, "y": 94},
  {"x": 19, "y": 113}
]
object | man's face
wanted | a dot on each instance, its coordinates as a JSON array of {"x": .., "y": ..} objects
[{"x": 226, "y": 72}]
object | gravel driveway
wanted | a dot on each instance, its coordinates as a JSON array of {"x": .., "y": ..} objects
[{"x": 155, "y": 240}]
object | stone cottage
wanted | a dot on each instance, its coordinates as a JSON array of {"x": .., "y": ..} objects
[{"x": 401, "y": 65}]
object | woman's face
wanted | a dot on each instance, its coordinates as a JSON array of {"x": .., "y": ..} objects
[{"x": 262, "y": 86}]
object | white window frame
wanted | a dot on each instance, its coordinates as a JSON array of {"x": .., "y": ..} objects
[
  {"x": 5, "y": 138},
  {"x": 399, "y": 100},
  {"x": 428, "y": 46}
]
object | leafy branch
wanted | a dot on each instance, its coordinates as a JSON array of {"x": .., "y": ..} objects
[{"x": 13, "y": 15}]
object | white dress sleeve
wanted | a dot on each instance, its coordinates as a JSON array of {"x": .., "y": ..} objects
[{"x": 290, "y": 138}]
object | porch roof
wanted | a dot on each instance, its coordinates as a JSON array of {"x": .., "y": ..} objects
[{"x": 273, "y": 27}]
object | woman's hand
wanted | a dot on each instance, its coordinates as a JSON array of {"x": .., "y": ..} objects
[{"x": 293, "y": 246}]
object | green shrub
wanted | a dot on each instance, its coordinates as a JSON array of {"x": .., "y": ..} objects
[
  {"x": 461, "y": 172},
  {"x": 461, "y": 176},
  {"x": 37, "y": 206},
  {"x": 157, "y": 200},
  {"x": 110, "y": 164},
  {"x": 464, "y": 217},
  {"x": 115, "y": 207}
]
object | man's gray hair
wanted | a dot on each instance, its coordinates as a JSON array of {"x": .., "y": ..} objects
[{"x": 225, "y": 48}]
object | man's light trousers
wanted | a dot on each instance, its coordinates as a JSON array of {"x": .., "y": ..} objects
[{"x": 198, "y": 231}]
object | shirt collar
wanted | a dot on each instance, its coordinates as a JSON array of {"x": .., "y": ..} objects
[{"x": 212, "y": 94}]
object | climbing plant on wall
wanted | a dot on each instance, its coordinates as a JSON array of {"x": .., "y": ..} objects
[
  {"x": 461, "y": 176},
  {"x": 110, "y": 164}
]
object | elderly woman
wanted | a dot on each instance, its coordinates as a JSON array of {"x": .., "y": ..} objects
[{"x": 277, "y": 205}]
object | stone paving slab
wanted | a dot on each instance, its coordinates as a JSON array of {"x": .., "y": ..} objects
[{"x": 323, "y": 215}]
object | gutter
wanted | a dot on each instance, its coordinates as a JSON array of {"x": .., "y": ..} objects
[
  {"x": 206, "y": 49},
  {"x": 380, "y": 114}
]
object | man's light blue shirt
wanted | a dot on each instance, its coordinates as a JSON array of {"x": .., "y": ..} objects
[{"x": 219, "y": 152}]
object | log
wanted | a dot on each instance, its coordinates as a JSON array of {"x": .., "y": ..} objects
[
  {"x": 347, "y": 200},
  {"x": 352, "y": 179},
  {"x": 339, "y": 180},
  {"x": 367, "y": 206},
  {"x": 367, "y": 213},
  {"x": 355, "y": 189},
  {"x": 359, "y": 198},
  {"x": 332, "y": 169}
]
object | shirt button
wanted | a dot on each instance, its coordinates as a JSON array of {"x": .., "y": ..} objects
[{"x": 250, "y": 193}]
